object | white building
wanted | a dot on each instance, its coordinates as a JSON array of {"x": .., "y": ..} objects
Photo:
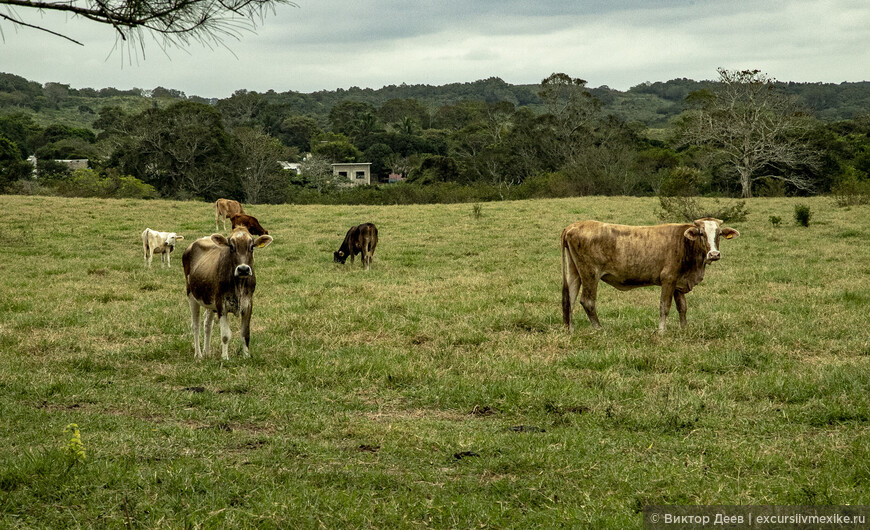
[{"x": 356, "y": 173}]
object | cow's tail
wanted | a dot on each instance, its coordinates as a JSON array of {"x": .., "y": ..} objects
[
  {"x": 145, "y": 242},
  {"x": 566, "y": 293}
]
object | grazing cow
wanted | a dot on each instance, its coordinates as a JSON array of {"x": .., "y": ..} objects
[
  {"x": 225, "y": 209},
  {"x": 359, "y": 239},
  {"x": 219, "y": 273},
  {"x": 250, "y": 223},
  {"x": 673, "y": 256},
  {"x": 159, "y": 243}
]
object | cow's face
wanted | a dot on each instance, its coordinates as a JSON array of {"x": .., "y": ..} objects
[
  {"x": 171, "y": 239},
  {"x": 242, "y": 245},
  {"x": 339, "y": 256},
  {"x": 707, "y": 231}
]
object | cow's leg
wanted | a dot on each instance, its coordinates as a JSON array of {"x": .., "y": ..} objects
[
  {"x": 145, "y": 245},
  {"x": 226, "y": 335},
  {"x": 217, "y": 215},
  {"x": 194, "y": 326},
  {"x": 570, "y": 289},
  {"x": 245, "y": 312},
  {"x": 164, "y": 259},
  {"x": 588, "y": 294},
  {"x": 207, "y": 323},
  {"x": 682, "y": 307},
  {"x": 665, "y": 304}
]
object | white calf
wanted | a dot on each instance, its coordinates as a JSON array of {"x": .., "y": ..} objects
[{"x": 159, "y": 243}]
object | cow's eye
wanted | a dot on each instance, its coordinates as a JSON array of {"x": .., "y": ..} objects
[{"x": 252, "y": 247}]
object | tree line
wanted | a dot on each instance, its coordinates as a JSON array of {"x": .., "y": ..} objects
[{"x": 743, "y": 134}]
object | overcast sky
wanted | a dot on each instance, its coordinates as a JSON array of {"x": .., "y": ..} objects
[{"x": 329, "y": 44}]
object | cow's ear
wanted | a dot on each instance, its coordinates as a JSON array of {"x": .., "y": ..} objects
[
  {"x": 692, "y": 233},
  {"x": 219, "y": 239},
  {"x": 729, "y": 233},
  {"x": 262, "y": 241},
  {"x": 179, "y": 238}
]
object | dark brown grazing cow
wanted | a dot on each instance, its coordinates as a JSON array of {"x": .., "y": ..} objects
[
  {"x": 359, "y": 239},
  {"x": 219, "y": 273},
  {"x": 225, "y": 209},
  {"x": 671, "y": 255},
  {"x": 248, "y": 222}
]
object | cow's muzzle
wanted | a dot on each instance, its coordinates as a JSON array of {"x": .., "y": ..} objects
[
  {"x": 244, "y": 271},
  {"x": 714, "y": 255}
]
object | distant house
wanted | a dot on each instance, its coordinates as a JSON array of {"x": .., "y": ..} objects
[
  {"x": 291, "y": 166},
  {"x": 356, "y": 174},
  {"x": 72, "y": 164},
  {"x": 77, "y": 163}
]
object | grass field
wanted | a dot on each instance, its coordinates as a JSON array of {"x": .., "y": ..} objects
[{"x": 438, "y": 389}]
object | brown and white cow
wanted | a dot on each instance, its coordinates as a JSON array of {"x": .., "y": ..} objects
[
  {"x": 225, "y": 209},
  {"x": 359, "y": 239},
  {"x": 248, "y": 222},
  {"x": 673, "y": 256},
  {"x": 219, "y": 273},
  {"x": 162, "y": 243}
]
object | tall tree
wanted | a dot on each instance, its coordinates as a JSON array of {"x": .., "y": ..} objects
[
  {"x": 345, "y": 116},
  {"x": 181, "y": 150},
  {"x": 262, "y": 179},
  {"x": 177, "y": 22},
  {"x": 572, "y": 112},
  {"x": 758, "y": 131}
]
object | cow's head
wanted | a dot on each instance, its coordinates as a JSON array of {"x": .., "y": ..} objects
[
  {"x": 707, "y": 230},
  {"x": 242, "y": 245},
  {"x": 171, "y": 239},
  {"x": 339, "y": 256}
]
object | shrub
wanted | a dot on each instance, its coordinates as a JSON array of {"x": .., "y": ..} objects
[
  {"x": 687, "y": 209},
  {"x": 89, "y": 183},
  {"x": 679, "y": 202},
  {"x": 682, "y": 181},
  {"x": 775, "y": 220},
  {"x": 476, "y": 210},
  {"x": 851, "y": 191},
  {"x": 802, "y": 214}
]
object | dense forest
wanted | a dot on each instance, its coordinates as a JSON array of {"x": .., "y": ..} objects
[{"x": 485, "y": 140}]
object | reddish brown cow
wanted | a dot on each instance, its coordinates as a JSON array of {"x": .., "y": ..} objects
[
  {"x": 673, "y": 256},
  {"x": 248, "y": 222},
  {"x": 219, "y": 273},
  {"x": 225, "y": 209},
  {"x": 359, "y": 239}
]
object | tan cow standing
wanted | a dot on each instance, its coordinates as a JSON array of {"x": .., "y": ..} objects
[
  {"x": 673, "y": 256},
  {"x": 219, "y": 274},
  {"x": 225, "y": 209}
]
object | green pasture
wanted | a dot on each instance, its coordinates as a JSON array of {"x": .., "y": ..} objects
[{"x": 437, "y": 389}]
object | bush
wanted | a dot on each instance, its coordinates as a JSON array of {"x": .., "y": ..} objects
[
  {"x": 851, "y": 191},
  {"x": 402, "y": 193},
  {"x": 775, "y": 220},
  {"x": 89, "y": 183},
  {"x": 682, "y": 181},
  {"x": 679, "y": 202},
  {"x": 687, "y": 209},
  {"x": 802, "y": 214},
  {"x": 28, "y": 187}
]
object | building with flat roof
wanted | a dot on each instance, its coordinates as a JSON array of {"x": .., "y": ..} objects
[{"x": 356, "y": 173}]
